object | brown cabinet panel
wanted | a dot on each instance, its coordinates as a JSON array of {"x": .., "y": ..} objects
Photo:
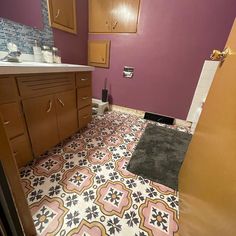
[
  {"x": 85, "y": 116},
  {"x": 36, "y": 85},
  {"x": 84, "y": 96},
  {"x": 21, "y": 150},
  {"x": 66, "y": 113},
  {"x": 41, "y": 120},
  {"x": 99, "y": 53},
  {"x": 8, "y": 90},
  {"x": 100, "y": 16},
  {"x": 116, "y": 16},
  {"x": 83, "y": 79},
  {"x": 63, "y": 15},
  {"x": 12, "y": 119},
  {"x": 125, "y": 16}
]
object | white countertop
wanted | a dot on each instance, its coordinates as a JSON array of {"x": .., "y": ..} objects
[{"x": 10, "y": 68}]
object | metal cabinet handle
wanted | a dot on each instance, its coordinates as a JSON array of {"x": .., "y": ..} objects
[
  {"x": 6, "y": 122},
  {"x": 84, "y": 79},
  {"x": 58, "y": 13},
  {"x": 50, "y": 107},
  {"x": 61, "y": 102},
  {"x": 114, "y": 26},
  {"x": 85, "y": 98}
]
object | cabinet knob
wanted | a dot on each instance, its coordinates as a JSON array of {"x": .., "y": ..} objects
[
  {"x": 84, "y": 79},
  {"x": 49, "y": 107}
]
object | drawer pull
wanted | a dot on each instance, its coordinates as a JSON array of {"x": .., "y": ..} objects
[
  {"x": 6, "y": 122},
  {"x": 84, "y": 79},
  {"x": 50, "y": 106},
  {"x": 61, "y": 102},
  {"x": 85, "y": 117},
  {"x": 85, "y": 98}
]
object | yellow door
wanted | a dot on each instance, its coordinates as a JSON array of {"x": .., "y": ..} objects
[{"x": 207, "y": 180}]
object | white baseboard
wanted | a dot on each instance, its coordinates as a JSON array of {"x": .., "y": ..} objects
[{"x": 139, "y": 113}]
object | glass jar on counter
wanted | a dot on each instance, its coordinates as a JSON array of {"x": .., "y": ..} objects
[
  {"x": 47, "y": 54},
  {"x": 56, "y": 55}
]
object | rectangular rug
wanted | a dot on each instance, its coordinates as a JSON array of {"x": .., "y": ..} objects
[{"x": 159, "y": 155}]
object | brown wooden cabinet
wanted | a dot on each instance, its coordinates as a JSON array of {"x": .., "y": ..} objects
[
  {"x": 113, "y": 16},
  {"x": 42, "y": 110},
  {"x": 62, "y": 15},
  {"x": 99, "y": 53}
]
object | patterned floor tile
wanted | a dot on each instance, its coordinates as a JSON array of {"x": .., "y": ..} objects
[{"x": 83, "y": 187}]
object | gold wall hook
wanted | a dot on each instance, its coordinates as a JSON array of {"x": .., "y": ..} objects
[{"x": 220, "y": 56}]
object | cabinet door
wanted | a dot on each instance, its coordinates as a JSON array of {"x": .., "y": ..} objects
[
  {"x": 12, "y": 119},
  {"x": 100, "y": 16},
  {"x": 85, "y": 116},
  {"x": 63, "y": 15},
  {"x": 21, "y": 150},
  {"x": 41, "y": 120},
  {"x": 99, "y": 53},
  {"x": 66, "y": 113},
  {"x": 125, "y": 16}
]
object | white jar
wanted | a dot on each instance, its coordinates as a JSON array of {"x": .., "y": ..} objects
[
  {"x": 47, "y": 55},
  {"x": 56, "y": 55}
]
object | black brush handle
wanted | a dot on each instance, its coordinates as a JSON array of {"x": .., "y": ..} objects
[{"x": 104, "y": 95}]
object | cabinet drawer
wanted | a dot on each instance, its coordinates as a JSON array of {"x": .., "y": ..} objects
[
  {"x": 36, "y": 85},
  {"x": 8, "y": 91},
  {"x": 12, "y": 119},
  {"x": 84, "y": 96},
  {"x": 21, "y": 150},
  {"x": 85, "y": 116},
  {"x": 83, "y": 79}
]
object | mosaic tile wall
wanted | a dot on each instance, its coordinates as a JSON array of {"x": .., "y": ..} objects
[{"x": 24, "y": 36}]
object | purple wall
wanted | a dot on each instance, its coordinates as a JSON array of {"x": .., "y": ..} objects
[
  {"x": 16, "y": 11},
  {"x": 173, "y": 40},
  {"x": 74, "y": 47}
]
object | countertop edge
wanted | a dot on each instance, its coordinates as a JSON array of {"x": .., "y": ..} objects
[{"x": 14, "y": 70}]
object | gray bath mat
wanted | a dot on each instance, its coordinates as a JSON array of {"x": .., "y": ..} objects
[{"x": 159, "y": 155}]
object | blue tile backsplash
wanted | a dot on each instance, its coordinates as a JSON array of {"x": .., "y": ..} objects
[{"x": 24, "y": 36}]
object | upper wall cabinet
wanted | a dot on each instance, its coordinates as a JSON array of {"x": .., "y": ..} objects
[
  {"x": 113, "y": 16},
  {"x": 62, "y": 15}
]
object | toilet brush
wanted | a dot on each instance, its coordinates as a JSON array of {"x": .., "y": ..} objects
[{"x": 105, "y": 92}]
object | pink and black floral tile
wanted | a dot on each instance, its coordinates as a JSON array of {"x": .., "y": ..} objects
[{"x": 83, "y": 187}]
